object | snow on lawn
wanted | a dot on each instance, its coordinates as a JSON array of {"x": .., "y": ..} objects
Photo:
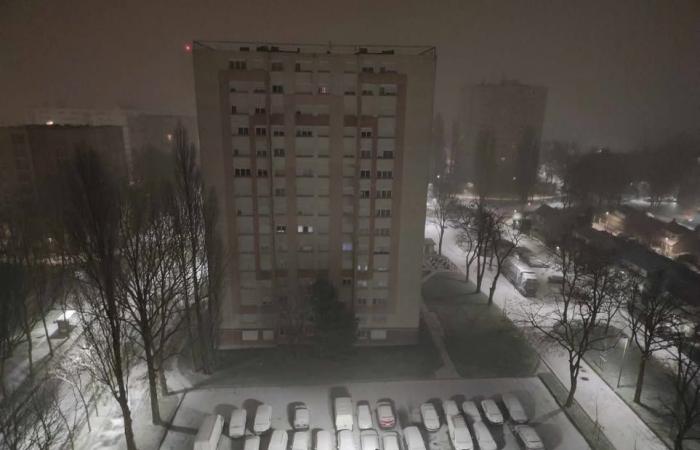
[{"x": 555, "y": 429}]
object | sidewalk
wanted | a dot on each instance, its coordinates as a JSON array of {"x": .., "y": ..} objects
[{"x": 619, "y": 423}]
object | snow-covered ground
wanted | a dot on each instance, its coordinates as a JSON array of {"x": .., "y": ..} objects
[{"x": 555, "y": 429}]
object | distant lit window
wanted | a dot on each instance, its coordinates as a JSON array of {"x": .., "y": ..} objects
[
  {"x": 281, "y": 228},
  {"x": 347, "y": 246}
]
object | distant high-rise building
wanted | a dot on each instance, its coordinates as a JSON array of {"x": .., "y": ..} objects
[
  {"x": 33, "y": 154},
  {"x": 319, "y": 156},
  {"x": 501, "y": 126}
]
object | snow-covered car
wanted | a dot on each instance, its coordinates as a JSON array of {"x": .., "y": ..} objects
[
  {"x": 323, "y": 440},
  {"x": 413, "y": 438},
  {"x": 492, "y": 411},
  {"x": 470, "y": 410},
  {"x": 431, "y": 421},
  {"x": 278, "y": 440},
  {"x": 345, "y": 440},
  {"x": 300, "y": 441},
  {"x": 343, "y": 413},
  {"x": 252, "y": 443},
  {"x": 529, "y": 437},
  {"x": 390, "y": 441},
  {"x": 515, "y": 408},
  {"x": 263, "y": 419},
  {"x": 483, "y": 437},
  {"x": 385, "y": 415},
  {"x": 459, "y": 433},
  {"x": 364, "y": 417},
  {"x": 369, "y": 440},
  {"x": 236, "y": 424},
  {"x": 449, "y": 407},
  {"x": 301, "y": 417}
]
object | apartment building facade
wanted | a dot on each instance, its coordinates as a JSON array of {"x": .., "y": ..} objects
[{"x": 319, "y": 158}]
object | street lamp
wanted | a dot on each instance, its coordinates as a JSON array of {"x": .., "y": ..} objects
[{"x": 622, "y": 361}]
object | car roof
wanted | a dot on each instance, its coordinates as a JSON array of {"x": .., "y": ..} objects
[
  {"x": 264, "y": 409},
  {"x": 529, "y": 434},
  {"x": 482, "y": 431}
]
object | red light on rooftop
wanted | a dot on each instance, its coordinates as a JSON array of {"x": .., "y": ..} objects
[{"x": 188, "y": 47}]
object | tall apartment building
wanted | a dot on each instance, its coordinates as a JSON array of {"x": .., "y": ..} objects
[
  {"x": 32, "y": 154},
  {"x": 501, "y": 126},
  {"x": 319, "y": 157}
]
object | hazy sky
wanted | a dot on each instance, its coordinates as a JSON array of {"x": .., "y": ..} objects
[{"x": 620, "y": 73}]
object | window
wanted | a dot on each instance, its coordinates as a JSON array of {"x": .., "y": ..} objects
[
  {"x": 280, "y": 192},
  {"x": 368, "y": 69},
  {"x": 277, "y": 66},
  {"x": 365, "y": 174},
  {"x": 388, "y": 154},
  {"x": 305, "y": 229},
  {"x": 262, "y": 173},
  {"x": 379, "y": 301},
  {"x": 364, "y": 194},
  {"x": 363, "y": 334},
  {"x": 281, "y": 228},
  {"x": 260, "y": 110},
  {"x": 234, "y": 110},
  {"x": 384, "y": 174},
  {"x": 260, "y": 131},
  {"x": 323, "y": 90},
  {"x": 261, "y": 153},
  {"x": 367, "y": 92},
  {"x": 366, "y": 133},
  {"x": 365, "y": 154},
  {"x": 242, "y": 131},
  {"x": 361, "y": 301},
  {"x": 383, "y": 213},
  {"x": 304, "y": 133},
  {"x": 347, "y": 246},
  {"x": 277, "y": 89},
  {"x": 241, "y": 172},
  {"x": 238, "y": 65},
  {"x": 347, "y": 281},
  {"x": 382, "y": 231},
  {"x": 297, "y": 67},
  {"x": 349, "y": 91},
  {"x": 383, "y": 194},
  {"x": 236, "y": 152},
  {"x": 278, "y": 131},
  {"x": 279, "y": 152}
]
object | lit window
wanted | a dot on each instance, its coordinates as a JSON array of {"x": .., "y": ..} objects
[{"x": 347, "y": 246}]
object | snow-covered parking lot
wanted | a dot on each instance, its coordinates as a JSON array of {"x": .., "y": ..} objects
[{"x": 551, "y": 423}]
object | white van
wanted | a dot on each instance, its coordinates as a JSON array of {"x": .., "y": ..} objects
[
  {"x": 345, "y": 440},
  {"x": 483, "y": 437},
  {"x": 323, "y": 440},
  {"x": 300, "y": 440},
  {"x": 252, "y": 443},
  {"x": 263, "y": 419},
  {"x": 278, "y": 440},
  {"x": 343, "y": 413},
  {"x": 236, "y": 425},
  {"x": 413, "y": 438},
  {"x": 459, "y": 433},
  {"x": 209, "y": 433}
]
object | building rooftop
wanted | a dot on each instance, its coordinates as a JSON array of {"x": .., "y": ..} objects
[{"x": 327, "y": 48}]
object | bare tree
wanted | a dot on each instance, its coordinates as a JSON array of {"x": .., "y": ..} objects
[
  {"x": 464, "y": 221},
  {"x": 685, "y": 410},
  {"x": 579, "y": 318},
  {"x": 11, "y": 333},
  {"x": 650, "y": 311},
  {"x": 445, "y": 204},
  {"x": 93, "y": 218},
  {"x": 485, "y": 226},
  {"x": 504, "y": 240}
]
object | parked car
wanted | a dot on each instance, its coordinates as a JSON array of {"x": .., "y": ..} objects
[
  {"x": 364, "y": 417},
  {"x": 323, "y": 440},
  {"x": 301, "y": 417},
  {"x": 431, "y": 421},
  {"x": 263, "y": 419},
  {"x": 471, "y": 411},
  {"x": 252, "y": 443},
  {"x": 515, "y": 408},
  {"x": 483, "y": 437},
  {"x": 413, "y": 439},
  {"x": 529, "y": 437},
  {"x": 236, "y": 424},
  {"x": 343, "y": 413},
  {"x": 209, "y": 432},
  {"x": 492, "y": 411},
  {"x": 300, "y": 441},
  {"x": 385, "y": 415},
  {"x": 369, "y": 440},
  {"x": 390, "y": 441},
  {"x": 449, "y": 407},
  {"x": 278, "y": 440},
  {"x": 459, "y": 433},
  {"x": 345, "y": 440}
]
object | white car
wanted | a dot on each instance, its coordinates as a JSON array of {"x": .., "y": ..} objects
[
  {"x": 278, "y": 440},
  {"x": 364, "y": 417},
  {"x": 263, "y": 419},
  {"x": 459, "y": 433},
  {"x": 471, "y": 411},
  {"x": 431, "y": 421},
  {"x": 323, "y": 440},
  {"x": 345, "y": 440},
  {"x": 236, "y": 424},
  {"x": 385, "y": 415},
  {"x": 300, "y": 441},
  {"x": 483, "y": 437},
  {"x": 529, "y": 437},
  {"x": 492, "y": 411},
  {"x": 252, "y": 443},
  {"x": 369, "y": 440},
  {"x": 449, "y": 407},
  {"x": 343, "y": 413},
  {"x": 301, "y": 417},
  {"x": 515, "y": 408},
  {"x": 390, "y": 441},
  {"x": 413, "y": 438}
]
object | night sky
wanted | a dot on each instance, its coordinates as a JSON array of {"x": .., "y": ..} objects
[{"x": 620, "y": 73}]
